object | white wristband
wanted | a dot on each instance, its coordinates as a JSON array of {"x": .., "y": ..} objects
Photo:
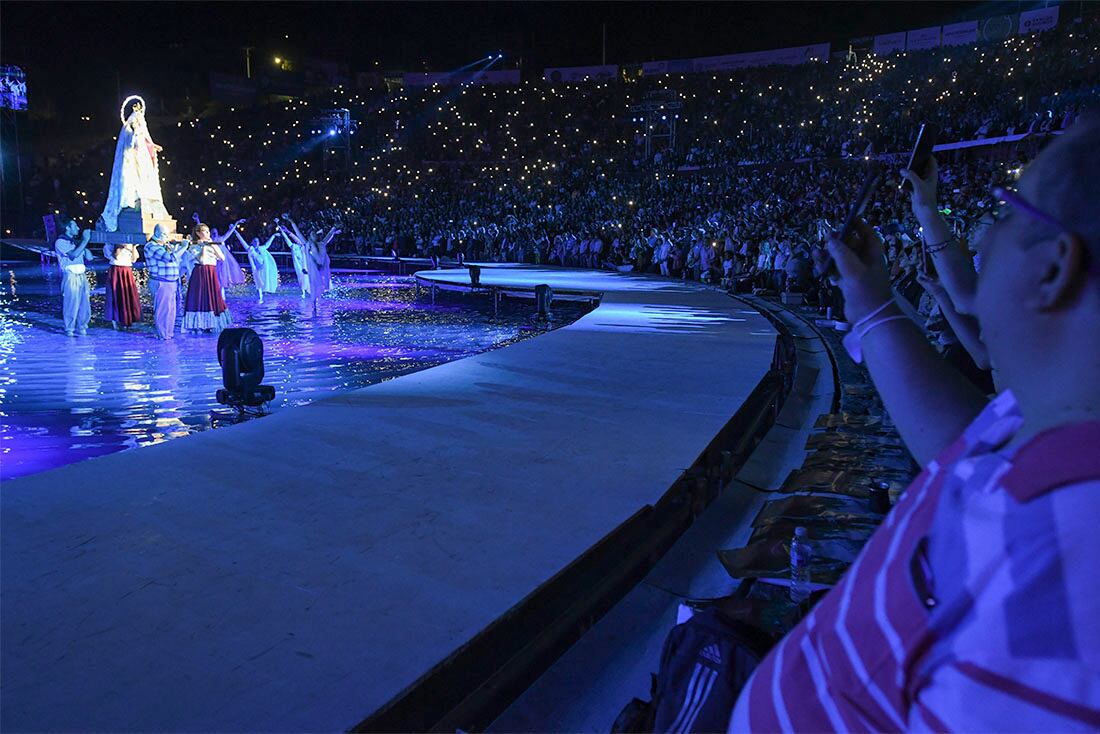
[{"x": 853, "y": 342}]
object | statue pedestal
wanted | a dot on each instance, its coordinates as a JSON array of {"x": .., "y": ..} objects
[{"x": 134, "y": 226}]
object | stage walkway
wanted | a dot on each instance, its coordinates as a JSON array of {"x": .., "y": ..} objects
[{"x": 300, "y": 571}]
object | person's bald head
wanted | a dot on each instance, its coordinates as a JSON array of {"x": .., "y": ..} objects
[
  {"x": 1064, "y": 181},
  {"x": 1038, "y": 292}
]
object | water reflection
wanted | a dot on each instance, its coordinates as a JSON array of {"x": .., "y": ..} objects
[{"x": 64, "y": 400}]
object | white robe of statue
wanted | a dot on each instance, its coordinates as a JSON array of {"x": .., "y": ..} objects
[{"x": 135, "y": 177}]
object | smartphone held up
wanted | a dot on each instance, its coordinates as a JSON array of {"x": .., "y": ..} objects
[
  {"x": 920, "y": 160},
  {"x": 825, "y": 265}
]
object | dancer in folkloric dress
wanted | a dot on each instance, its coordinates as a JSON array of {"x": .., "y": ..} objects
[
  {"x": 123, "y": 304},
  {"x": 265, "y": 273},
  {"x": 205, "y": 309}
]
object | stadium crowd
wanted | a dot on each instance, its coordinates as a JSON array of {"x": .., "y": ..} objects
[{"x": 558, "y": 173}]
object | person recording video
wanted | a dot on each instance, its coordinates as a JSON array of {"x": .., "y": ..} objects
[{"x": 974, "y": 606}]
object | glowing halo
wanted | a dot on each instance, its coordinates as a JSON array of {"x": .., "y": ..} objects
[{"x": 122, "y": 109}]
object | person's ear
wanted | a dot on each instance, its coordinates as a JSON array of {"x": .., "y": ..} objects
[{"x": 1063, "y": 265}]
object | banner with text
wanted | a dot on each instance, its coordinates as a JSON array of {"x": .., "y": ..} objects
[
  {"x": 454, "y": 78},
  {"x": 922, "y": 38},
  {"x": 580, "y": 73},
  {"x": 791, "y": 56},
  {"x": 1034, "y": 21},
  {"x": 960, "y": 34},
  {"x": 889, "y": 43}
]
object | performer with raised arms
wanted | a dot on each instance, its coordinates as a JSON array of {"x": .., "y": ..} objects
[
  {"x": 265, "y": 273},
  {"x": 297, "y": 255},
  {"x": 229, "y": 270},
  {"x": 317, "y": 262}
]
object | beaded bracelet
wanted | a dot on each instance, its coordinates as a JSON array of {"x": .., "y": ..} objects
[{"x": 939, "y": 246}]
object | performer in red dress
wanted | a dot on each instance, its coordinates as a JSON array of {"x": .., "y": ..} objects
[
  {"x": 123, "y": 302},
  {"x": 205, "y": 309}
]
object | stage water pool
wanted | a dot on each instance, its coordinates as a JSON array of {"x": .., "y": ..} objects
[{"x": 66, "y": 399}]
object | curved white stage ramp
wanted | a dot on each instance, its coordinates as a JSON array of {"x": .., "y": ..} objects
[{"x": 300, "y": 571}]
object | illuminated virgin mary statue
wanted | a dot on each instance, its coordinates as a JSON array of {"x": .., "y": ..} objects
[{"x": 135, "y": 177}]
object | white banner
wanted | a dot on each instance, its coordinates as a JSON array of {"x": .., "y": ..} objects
[
  {"x": 922, "y": 38},
  {"x": 960, "y": 34},
  {"x": 1034, "y": 21},
  {"x": 580, "y": 73},
  {"x": 889, "y": 43}
]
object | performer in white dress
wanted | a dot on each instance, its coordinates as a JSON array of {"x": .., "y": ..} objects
[
  {"x": 265, "y": 273},
  {"x": 318, "y": 265},
  {"x": 135, "y": 177}
]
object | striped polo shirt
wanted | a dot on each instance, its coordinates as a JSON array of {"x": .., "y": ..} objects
[{"x": 974, "y": 607}]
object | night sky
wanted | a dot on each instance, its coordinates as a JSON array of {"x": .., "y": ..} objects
[{"x": 78, "y": 53}]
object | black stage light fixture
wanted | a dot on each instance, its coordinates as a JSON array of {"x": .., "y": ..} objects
[
  {"x": 475, "y": 275},
  {"x": 544, "y": 296},
  {"x": 241, "y": 356}
]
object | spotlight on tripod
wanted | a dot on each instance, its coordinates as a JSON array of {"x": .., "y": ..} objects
[{"x": 241, "y": 355}]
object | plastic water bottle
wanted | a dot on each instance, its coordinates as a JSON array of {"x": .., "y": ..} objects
[{"x": 801, "y": 553}]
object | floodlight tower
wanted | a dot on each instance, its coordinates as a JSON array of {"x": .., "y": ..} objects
[
  {"x": 336, "y": 129},
  {"x": 658, "y": 113}
]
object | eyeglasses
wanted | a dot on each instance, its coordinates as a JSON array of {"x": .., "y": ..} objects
[{"x": 1018, "y": 202}]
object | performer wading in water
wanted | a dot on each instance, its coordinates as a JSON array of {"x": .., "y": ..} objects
[
  {"x": 204, "y": 308},
  {"x": 123, "y": 301},
  {"x": 317, "y": 266},
  {"x": 76, "y": 307},
  {"x": 163, "y": 258},
  {"x": 265, "y": 273}
]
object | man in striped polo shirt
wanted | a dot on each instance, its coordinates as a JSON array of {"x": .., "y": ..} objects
[{"x": 975, "y": 606}]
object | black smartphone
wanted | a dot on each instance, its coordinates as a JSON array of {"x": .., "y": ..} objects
[
  {"x": 921, "y": 157},
  {"x": 866, "y": 191}
]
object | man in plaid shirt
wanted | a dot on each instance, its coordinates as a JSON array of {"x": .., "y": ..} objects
[{"x": 162, "y": 258}]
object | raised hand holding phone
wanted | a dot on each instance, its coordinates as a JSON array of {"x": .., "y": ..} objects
[
  {"x": 921, "y": 161},
  {"x": 861, "y": 272},
  {"x": 823, "y": 264}
]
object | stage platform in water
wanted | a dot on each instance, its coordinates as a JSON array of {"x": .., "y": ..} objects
[
  {"x": 521, "y": 280},
  {"x": 299, "y": 571}
]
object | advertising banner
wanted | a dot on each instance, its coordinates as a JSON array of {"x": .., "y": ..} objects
[
  {"x": 560, "y": 74},
  {"x": 1034, "y": 21},
  {"x": 922, "y": 38},
  {"x": 960, "y": 34},
  {"x": 889, "y": 43},
  {"x": 791, "y": 56}
]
